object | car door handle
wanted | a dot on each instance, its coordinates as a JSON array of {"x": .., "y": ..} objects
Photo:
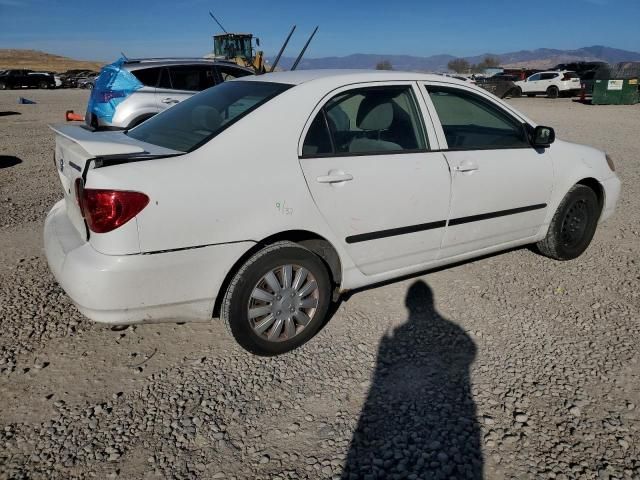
[
  {"x": 335, "y": 177},
  {"x": 169, "y": 100},
  {"x": 466, "y": 166}
]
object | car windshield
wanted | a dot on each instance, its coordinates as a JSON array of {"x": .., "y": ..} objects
[{"x": 195, "y": 121}]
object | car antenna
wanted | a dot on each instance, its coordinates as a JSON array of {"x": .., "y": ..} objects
[
  {"x": 126, "y": 59},
  {"x": 284, "y": 45},
  {"x": 216, "y": 20},
  {"x": 304, "y": 49}
]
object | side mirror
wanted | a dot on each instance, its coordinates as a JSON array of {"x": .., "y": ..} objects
[{"x": 542, "y": 136}]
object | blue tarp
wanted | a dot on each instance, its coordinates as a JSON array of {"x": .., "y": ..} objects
[{"x": 112, "y": 86}]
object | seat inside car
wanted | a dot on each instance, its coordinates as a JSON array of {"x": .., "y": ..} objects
[
  {"x": 374, "y": 117},
  {"x": 206, "y": 118}
]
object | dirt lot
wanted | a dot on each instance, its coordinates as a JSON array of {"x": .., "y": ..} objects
[{"x": 512, "y": 366}]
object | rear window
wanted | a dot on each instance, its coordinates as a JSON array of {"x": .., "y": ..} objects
[{"x": 195, "y": 121}]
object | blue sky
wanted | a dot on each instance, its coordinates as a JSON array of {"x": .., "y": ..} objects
[{"x": 99, "y": 31}]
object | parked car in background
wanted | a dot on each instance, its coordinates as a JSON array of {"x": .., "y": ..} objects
[
  {"x": 552, "y": 84},
  {"x": 70, "y": 78},
  {"x": 261, "y": 199},
  {"x": 88, "y": 81},
  {"x": 580, "y": 67},
  {"x": 130, "y": 91},
  {"x": 25, "y": 79},
  {"x": 501, "y": 85}
]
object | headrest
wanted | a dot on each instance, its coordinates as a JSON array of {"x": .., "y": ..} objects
[
  {"x": 206, "y": 117},
  {"x": 375, "y": 113}
]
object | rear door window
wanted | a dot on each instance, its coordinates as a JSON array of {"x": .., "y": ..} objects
[
  {"x": 147, "y": 76},
  {"x": 368, "y": 120},
  {"x": 192, "y": 78}
]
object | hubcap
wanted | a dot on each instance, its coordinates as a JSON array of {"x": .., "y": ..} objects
[
  {"x": 283, "y": 303},
  {"x": 574, "y": 224}
]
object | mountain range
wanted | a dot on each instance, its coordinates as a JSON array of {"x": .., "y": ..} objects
[{"x": 539, "y": 58}]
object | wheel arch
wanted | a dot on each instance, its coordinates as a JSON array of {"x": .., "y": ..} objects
[
  {"x": 310, "y": 240},
  {"x": 596, "y": 186}
]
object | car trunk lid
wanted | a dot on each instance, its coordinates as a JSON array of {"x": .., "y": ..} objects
[{"x": 76, "y": 148}]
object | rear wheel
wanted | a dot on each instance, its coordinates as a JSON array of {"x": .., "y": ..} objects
[
  {"x": 278, "y": 299},
  {"x": 43, "y": 85},
  {"x": 573, "y": 225},
  {"x": 3, "y": 86},
  {"x": 553, "y": 92}
]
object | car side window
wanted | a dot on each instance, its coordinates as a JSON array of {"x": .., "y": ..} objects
[
  {"x": 229, "y": 73},
  {"x": 147, "y": 76},
  {"x": 548, "y": 76},
  {"x": 165, "y": 80},
  {"x": 368, "y": 121},
  {"x": 473, "y": 123},
  {"x": 192, "y": 78},
  {"x": 534, "y": 78}
]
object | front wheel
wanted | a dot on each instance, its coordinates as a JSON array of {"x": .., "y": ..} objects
[
  {"x": 43, "y": 85},
  {"x": 573, "y": 225},
  {"x": 278, "y": 299}
]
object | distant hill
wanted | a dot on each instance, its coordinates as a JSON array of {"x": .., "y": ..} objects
[
  {"x": 539, "y": 58},
  {"x": 37, "y": 60}
]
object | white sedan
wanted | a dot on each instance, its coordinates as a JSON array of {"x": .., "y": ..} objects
[{"x": 260, "y": 200}]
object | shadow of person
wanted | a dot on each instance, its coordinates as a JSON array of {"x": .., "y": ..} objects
[{"x": 419, "y": 419}]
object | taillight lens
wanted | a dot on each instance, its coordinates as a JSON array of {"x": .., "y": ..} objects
[{"x": 106, "y": 210}]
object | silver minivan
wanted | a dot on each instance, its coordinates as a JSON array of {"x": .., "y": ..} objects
[{"x": 129, "y": 91}]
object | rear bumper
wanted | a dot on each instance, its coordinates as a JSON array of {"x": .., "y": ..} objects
[
  {"x": 124, "y": 289},
  {"x": 612, "y": 187}
]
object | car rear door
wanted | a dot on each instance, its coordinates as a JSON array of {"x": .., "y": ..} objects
[
  {"x": 179, "y": 82},
  {"x": 372, "y": 165},
  {"x": 501, "y": 185}
]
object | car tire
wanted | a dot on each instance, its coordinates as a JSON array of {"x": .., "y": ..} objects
[
  {"x": 3, "y": 86},
  {"x": 277, "y": 300},
  {"x": 573, "y": 225},
  {"x": 43, "y": 85},
  {"x": 553, "y": 92}
]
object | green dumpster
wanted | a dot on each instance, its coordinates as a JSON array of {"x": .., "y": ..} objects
[
  {"x": 617, "y": 85},
  {"x": 623, "y": 91}
]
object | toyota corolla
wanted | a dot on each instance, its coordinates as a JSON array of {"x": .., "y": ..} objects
[{"x": 260, "y": 200}]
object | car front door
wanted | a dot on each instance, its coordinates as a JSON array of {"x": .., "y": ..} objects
[
  {"x": 368, "y": 159},
  {"x": 532, "y": 85},
  {"x": 501, "y": 185}
]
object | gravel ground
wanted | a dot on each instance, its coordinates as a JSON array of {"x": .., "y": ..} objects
[{"x": 511, "y": 366}]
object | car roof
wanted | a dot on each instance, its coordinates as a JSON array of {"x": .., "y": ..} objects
[
  {"x": 298, "y": 77},
  {"x": 134, "y": 63}
]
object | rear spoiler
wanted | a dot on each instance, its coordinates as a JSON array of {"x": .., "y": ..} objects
[{"x": 94, "y": 143}]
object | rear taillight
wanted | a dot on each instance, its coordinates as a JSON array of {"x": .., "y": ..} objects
[
  {"x": 106, "y": 210},
  {"x": 105, "y": 97}
]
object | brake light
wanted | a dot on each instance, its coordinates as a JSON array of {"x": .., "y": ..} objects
[
  {"x": 105, "y": 97},
  {"x": 106, "y": 210}
]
